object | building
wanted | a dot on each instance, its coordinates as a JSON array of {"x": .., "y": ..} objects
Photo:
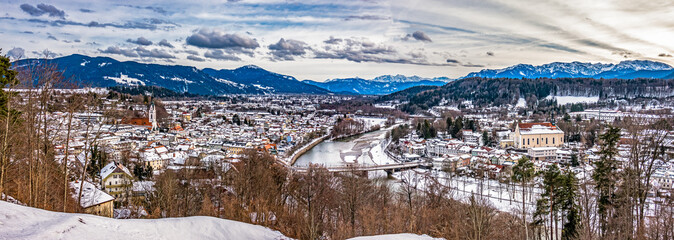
[
  {"x": 94, "y": 201},
  {"x": 533, "y": 135},
  {"x": 152, "y": 117},
  {"x": 547, "y": 154},
  {"x": 116, "y": 180}
]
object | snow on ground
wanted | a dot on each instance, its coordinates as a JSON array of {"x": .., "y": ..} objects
[
  {"x": 19, "y": 222},
  {"x": 401, "y": 236},
  {"x": 521, "y": 102},
  {"x": 562, "y": 100},
  {"x": 371, "y": 121},
  {"x": 125, "y": 79}
]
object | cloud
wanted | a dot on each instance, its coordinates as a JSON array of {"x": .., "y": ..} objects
[
  {"x": 195, "y": 58},
  {"x": 367, "y": 17},
  {"x": 192, "y": 52},
  {"x": 288, "y": 49},
  {"x": 220, "y": 55},
  {"x": 363, "y": 50},
  {"x": 421, "y": 36},
  {"x": 491, "y": 54},
  {"x": 333, "y": 40},
  {"x": 165, "y": 43},
  {"x": 119, "y": 51},
  {"x": 16, "y": 53},
  {"x": 154, "y": 53},
  {"x": 46, "y": 53},
  {"x": 33, "y": 11},
  {"x": 216, "y": 39},
  {"x": 452, "y": 61},
  {"x": 84, "y": 10},
  {"x": 140, "y": 41},
  {"x": 42, "y": 9},
  {"x": 664, "y": 55}
]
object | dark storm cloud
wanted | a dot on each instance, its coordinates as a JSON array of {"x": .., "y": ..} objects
[
  {"x": 154, "y": 53},
  {"x": 165, "y": 43},
  {"x": 288, "y": 49},
  {"x": 119, "y": 51},
  {"x": 664, "y": 55},
  {"x": 452, "y": 61},
  {"x": 84, "y": 10},
  {"x": 16, "y": 53},
  {"x": 42, "y": 9},
  {"x": 216, "y": 39},
  {"x": 195, "y": 58},
  {"x": 220, "y": 55},
  {"x": 140, "y": 41},
  {"x": 491, "y": 54}
]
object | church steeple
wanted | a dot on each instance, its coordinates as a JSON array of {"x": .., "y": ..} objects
[{"x": 152, "y": 116}]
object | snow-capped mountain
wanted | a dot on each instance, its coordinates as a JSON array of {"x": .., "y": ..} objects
[
  {"x": 251, "y": 75},
  {"x": 623, "y": 70},
  {"x": 108, "y": 72},
  {"x": 378, "y": 86}
]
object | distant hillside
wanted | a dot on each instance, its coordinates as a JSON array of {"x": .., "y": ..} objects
[
  {"x": 501, "y": 91},
  {"x": 107, "y": 72},
  {"x": 624, "y": 70},
  {"x": 378, "y": 86},
  {"x": 264, "y": 80}
]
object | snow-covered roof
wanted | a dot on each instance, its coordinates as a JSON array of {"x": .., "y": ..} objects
[
  {"x": 91, "y": 195},
  {"x": 114, "y": 167}
]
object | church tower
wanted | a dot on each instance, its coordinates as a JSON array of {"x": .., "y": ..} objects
[{"x": 152, "y": 116}]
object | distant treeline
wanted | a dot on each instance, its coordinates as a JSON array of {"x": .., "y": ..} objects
[
  {"x": 501, "y": 91},
  {"x": 159, "y": 92}
]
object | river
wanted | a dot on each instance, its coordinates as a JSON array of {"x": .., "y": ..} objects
[{"x": 366, "y": 148}]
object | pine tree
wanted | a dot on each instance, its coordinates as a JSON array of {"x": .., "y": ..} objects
[{"x": 605, "y": 175}]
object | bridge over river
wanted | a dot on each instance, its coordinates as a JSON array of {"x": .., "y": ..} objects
[{"x": 353, "y": 167}]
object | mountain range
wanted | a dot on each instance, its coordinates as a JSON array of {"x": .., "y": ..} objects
[
  {"x": 381, "y": 85},
  {"x": 250, "y": 79},
  {"x": 624, "y": 70}
]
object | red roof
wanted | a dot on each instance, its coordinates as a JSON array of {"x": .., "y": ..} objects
[{"x": 137, "y": 121}]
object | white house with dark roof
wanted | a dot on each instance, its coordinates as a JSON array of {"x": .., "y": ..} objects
[{"x": 116, "y": 180}]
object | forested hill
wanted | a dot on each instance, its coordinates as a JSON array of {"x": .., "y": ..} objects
[{"x": 501, "y": 91}]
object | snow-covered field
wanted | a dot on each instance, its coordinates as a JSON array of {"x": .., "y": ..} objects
[
  {"x": 562, "y": 100},
  {"x": 20, "y": 222}
]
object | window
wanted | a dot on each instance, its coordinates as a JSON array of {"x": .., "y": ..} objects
[
  {"x": 537, "y": 141},
  {"x": 546, "y": 140},
  {"x": 528, "y": 142},
  {"x": 553, "y": 140}
]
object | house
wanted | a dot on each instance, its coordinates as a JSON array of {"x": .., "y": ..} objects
[
  {"x": 116, "y": 180},
  {"x": 94, "y": 201},
  {"x": 530, "y": 135}
]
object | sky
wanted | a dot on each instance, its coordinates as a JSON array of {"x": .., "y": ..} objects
[{"x": 321, "y": 40}]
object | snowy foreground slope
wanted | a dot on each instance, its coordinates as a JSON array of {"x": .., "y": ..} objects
[{"x": 19, "y": 222}]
